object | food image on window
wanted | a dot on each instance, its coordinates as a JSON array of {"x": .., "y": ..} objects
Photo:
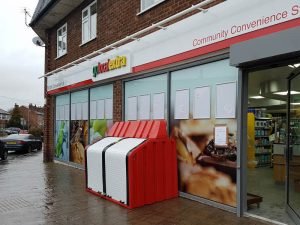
[
  {"x": 99, "y": 129},
  {"x": 62, "y": 140},
  {"x": 204, "y": 170},
  {"x": 79, "y": 140}
]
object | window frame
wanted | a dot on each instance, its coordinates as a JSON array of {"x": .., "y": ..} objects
[
  {"x": 88, "y": 20},
  {"x": 142, "y": 10},
  {"x": 58, "y": 54}
]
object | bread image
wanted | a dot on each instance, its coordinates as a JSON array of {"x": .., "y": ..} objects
[
  {"x": 194, "y": 142},
  {"x": 213, "y": 185}
]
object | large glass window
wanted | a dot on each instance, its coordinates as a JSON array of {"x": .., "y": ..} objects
[
  {"x": 62, "y": 127},
  {"x": 101, "y": 111},
  {"x": 146, "y": 98},
  {"x": 89, "y": 23},
  {"x": 79, "y": 126},
  {"x": 203, "y": 113}
]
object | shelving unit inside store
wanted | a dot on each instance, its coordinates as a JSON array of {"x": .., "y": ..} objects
[{"x": 263, "y": 146}]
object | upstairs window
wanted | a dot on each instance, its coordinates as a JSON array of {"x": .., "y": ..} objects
[
  {"x": 62, "y": 40},
  {"x": 147, "y": 4},
  {"x": 89, "y": 23}
]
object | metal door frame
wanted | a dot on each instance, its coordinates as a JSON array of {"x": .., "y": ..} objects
[{"x": 289, "y": 209}]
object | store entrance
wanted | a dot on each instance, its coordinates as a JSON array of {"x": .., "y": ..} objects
[{"x": 269, "y": 119}]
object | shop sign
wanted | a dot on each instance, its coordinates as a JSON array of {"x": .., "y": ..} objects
[{"x": 111, "y": 64}]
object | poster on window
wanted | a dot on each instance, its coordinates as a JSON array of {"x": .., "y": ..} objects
[
  {"x": 78, "y": 140},
  {"x": 99, "y": 129},
  {"x": 226, "y": 100},
  {"x": 204, "y": 170},
  {"x": 206, "y": 138},
  {"x": 62, "y": 140}
]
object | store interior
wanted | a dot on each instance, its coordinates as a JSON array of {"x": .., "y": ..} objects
[{"x": 267, "y": 139}]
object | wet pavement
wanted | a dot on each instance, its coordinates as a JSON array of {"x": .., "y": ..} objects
[{"x": 32, "y": 192}]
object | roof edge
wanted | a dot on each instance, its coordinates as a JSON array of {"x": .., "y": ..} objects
[{"x": 41, "y": 14}]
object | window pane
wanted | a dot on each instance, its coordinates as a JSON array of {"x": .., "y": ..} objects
[
  {"x": 64, "y": 29},
  {"x": 93, "y": 25},
  {"x": 93, "y": 9},
  {"x": 154, "y": 86},
  {"x": 85, "y": 13},
  {"x": 85, "y": 31},
  {"x": 64, "y": 43}
]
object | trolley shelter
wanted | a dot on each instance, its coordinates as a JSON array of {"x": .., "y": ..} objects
[{"x": 134, "y": 165}]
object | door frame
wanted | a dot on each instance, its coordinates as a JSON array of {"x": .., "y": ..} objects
[
  {"x": 242, "y": 124},
  {"x": 289, "y": 209}
]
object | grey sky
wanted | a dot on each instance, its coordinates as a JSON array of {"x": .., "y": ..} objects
[{"x": 21, "y": 62}]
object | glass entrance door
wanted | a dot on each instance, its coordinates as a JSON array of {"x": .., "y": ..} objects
[{"x": 293, "y": 147}]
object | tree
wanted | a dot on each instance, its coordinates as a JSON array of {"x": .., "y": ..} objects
[{"x": 15, "y": 119}]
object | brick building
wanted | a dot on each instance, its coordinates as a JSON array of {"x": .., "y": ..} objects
[
  {"x": 33, "y": 116},
  {"x": 185, "y": 61},
  {"x": 4, "y": 117}
]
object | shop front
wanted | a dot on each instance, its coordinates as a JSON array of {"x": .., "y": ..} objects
[{"x": 195, "y": 76}]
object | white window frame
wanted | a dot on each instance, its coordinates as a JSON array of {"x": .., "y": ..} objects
[
  {"x": 144, "y": 9},
  {"x": 64, "y": 34},
  {"x": 88, "y": 20}
]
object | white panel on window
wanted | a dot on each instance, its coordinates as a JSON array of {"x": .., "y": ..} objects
[
  {"x": 73, "y": 111},
  {"x": 100, "y": 109},
  {"x": 132, "y": 108},
  {"x": 85, "y": 109},
  {"x": 158, "y": 106},
  {"x": 182, "y": 108},
  {"x": 144, "y": 107},
  {"x": 61, "y": 112},
  {"x": 67, "y": 112},
  {"x": 93, "y": 110},
  {"x": 79, "y": 111},
  {"x": 108, "y": 109}
]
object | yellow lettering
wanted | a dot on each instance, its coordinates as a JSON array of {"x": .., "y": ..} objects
[
  {"x": 118, "y": 64},
  {"x": 123, "y": 61},
  {"x": 111, "y": 64}
]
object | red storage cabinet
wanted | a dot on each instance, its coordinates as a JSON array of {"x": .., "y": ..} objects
[{"x": 139, "y": 168}]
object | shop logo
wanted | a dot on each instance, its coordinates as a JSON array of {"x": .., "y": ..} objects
[{"x": 111, "y": 64}]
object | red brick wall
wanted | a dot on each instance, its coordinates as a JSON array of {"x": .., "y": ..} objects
[{"x": 115, "y": 20}]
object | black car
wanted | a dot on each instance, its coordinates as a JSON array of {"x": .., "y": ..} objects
[
  {"x": 3, "y": 151},
  {"x": 22, "y": 142},
  {"x": 12, "y": 130}
]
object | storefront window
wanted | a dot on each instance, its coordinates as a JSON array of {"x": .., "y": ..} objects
[
  {"x": 62, "y": 127},
  {"x": 146, "y": 98},
  {"x": 101, "y": 111},
  {"x": 79, "y": 126},
  {"x": 203, "y": 115}
]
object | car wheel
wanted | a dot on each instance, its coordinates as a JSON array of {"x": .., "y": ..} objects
[
  {"x": 29, "y": 149},
  {"x": 5, "y": 154}
]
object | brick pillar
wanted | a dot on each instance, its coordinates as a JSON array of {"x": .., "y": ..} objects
[
  {"x": 48, "y": 151},
  {"x": 118, "y": 101},
  {"x": 49, "y": 129}
]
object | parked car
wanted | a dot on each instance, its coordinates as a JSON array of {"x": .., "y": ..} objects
[
  {"x": 3, "y": 151},
  {"x": 22, "y": 142},
  {"x": 12, "y": 130}
]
